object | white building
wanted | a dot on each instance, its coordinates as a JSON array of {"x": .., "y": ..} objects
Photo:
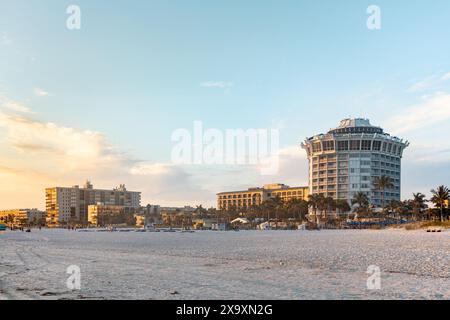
[
  {"x": 71, "y": 204},
  {"x": 347, "y": 159}
]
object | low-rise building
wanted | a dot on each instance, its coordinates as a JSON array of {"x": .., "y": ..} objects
[
  {"x": 140, "y": 220},
  {"x": 221, "y": 226},
  {"x": 22, "y": 217},
  {"x": 203, "y": 223},
  {"x": 256, "y": 196},
  {"x": 101, "y": 215}
]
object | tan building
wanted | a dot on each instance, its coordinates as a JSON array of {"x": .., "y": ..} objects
[
  {"x": 140, "y": 220},
  {"x": 70, "y": 205},
  {"x": 101, "y": 215},
  {"x": 256, "y": 196},
  {"x": 22, "y": 217}
]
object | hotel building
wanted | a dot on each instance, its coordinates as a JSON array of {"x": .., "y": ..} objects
[
  {"x": 22, "y": 217},
  {"x": 256, "y": 196},
  {"x": 347, "y": 159},
  {"x": 71, "y": 204}
]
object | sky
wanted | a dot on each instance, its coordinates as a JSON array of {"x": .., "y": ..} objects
[{"x": 102, "y": 102}]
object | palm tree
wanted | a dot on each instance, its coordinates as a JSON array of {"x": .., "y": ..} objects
[
  {"x": 342, "y": 206},
  {"x": 298, "y": 208},
  {"x": 382, "y": 183},
  {"x": 361, "y": 199},
  {"x": 329, "y": 204},
  {"x": 440, "y": 197},
  {"x": 200, "y": 211},
  {"x": 316, "y": 202},
  {"x": 278, "y": 205},
  {"x": 404, "y": 208},
  {"x": 272, "y": 205},
  {"x": 418, "y": 204}
]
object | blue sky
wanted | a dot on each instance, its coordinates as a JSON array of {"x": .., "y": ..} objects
[{"x": 134, "y": 73}]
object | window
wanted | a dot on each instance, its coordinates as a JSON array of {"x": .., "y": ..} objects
[
  {"x": 366, "y": 144},
  {"x": 376, "y": 145},
  {"x": 384, "y": 146},
  {"x": 355, "y": 144},
  {"x": 328, "y": 145},
  {"x": 342, "y": 145},
  {"x": 317, "y": 147}
]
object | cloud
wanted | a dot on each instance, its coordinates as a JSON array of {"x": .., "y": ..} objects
[
  {"x": 424, "y": 84},
  {"x": 432, "y": 111},
  {"x": 14, "y": 106},
  {"x": 37, "y": 154},
  {"x": 430, "y": 82},
  {"x": 40, "y": 92},
  {"x": 5, "y": 40},
  {"x": 64, "y": 148},
  {"x": 217, "y": 84},
  {"x": 145, "y": 169},
  {"x": 432, "y": 153}
]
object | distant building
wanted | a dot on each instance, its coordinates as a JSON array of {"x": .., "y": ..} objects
[
  {"x": 22, "y": 217},
  {"x": 203, "y": 223},
  {"x": 221, "y": 226},
  {"x": 152, "y": 210},
  {"x": 348, "y": 158},
  {"x": 185, "y": 209},
  {"x": 140, "y": 220},
  {"x": 65, "y": 205},
  {"x": 101, "y": 215},
  {"x": 256, "y": 196}
]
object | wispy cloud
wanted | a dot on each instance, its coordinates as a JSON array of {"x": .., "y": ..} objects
[
  {"x": 424, "y": 84},
  {"x": 446, "y": 77},
  {"x": 14, "y": 106},
  {"x": 430, "y": 82},
  {"x": 432, "y": 111},
  {"x": 40, "y": 92},
  {"x": 217, "y": 84},
  {"x": 146, "y": 169},
  {"x": 429, "y": 153},
  {"x": 5, "y": 40}
]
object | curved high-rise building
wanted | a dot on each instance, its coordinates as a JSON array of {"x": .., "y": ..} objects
[{"x": 347, "y": 159}]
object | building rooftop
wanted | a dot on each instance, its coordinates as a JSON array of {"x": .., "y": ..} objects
[
  {"x": 267, "y": 187},
  {"x": 356, "y": 125}
]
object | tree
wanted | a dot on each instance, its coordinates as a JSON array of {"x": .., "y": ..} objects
[
  {"x": 418, "y": 204},
  {"x": 342, "y": 206},
  {"x": 440, "y": 198},
  {"x": 297, "y": 208},
  {"x": 382, "y": 183},
  {"x": 404, "y": 208},
  {"x": 200, "y": 211},
  {"x": 273, "y": 205},
  {"x": 329, "y": 205},
  {"x": 361, "y": 199},
  {"x": 316, "y": 202},
  {"x": 393, "y": 207}
]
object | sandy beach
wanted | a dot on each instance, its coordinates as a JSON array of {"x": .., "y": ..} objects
[{"x": 225, "y": 265}]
